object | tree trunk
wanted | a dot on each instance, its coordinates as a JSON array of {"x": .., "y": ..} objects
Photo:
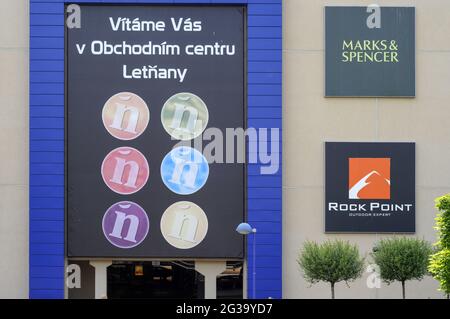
[
  {"x": 403, "y": 290},
  {"x": 332, "y": 290}
]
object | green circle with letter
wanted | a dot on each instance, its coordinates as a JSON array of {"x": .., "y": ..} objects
[{"x": 184, "y": 116}]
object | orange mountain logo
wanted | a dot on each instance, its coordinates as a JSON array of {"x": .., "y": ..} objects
[{"x": 369, "y": 178}]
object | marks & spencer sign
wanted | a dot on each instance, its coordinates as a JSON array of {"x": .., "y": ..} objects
[
  {"x": 370, "y": 187},
  {"x": 370, "y": 51}
]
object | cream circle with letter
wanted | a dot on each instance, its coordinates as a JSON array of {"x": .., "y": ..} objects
[{"x": 184, "y": 225}]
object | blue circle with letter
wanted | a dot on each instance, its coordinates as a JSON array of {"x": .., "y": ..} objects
[{"x": 184, "y": 170}]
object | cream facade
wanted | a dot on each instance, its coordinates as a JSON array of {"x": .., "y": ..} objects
[
  {"x": 310, "y": 119},
  {"x": 14, "y": 35}
]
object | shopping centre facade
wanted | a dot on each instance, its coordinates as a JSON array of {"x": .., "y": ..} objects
[{"x": 98, "y": 192}]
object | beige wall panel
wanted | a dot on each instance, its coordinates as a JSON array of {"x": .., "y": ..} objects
[
  {"x": 14, "y": 117},
  {"x": 14, "y": 17},
  {"x": 14, "y": 23},
  {"x": 423, "y": 119},
  {"x": 14, "y": 248},
  {"x": 304, "y": 22},
  {"x": 311, "y": 119}
]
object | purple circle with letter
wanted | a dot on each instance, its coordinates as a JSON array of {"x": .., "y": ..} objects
[{"x": 125, "y": 224}]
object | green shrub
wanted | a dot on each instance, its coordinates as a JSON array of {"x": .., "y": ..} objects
[
  {"x": 439, "y": 265},
  {"x": 402, "y": 259},
  {"x": 332, "y": 262}
]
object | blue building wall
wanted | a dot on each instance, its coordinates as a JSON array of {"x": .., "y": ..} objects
[{"x": 47, "y": 141}]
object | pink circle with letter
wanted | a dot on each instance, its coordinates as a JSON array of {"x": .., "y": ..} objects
[{"x": 125, "y": 170}]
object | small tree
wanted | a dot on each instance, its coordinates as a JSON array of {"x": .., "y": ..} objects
[
  {"x": 402, "y": 259},
  {"x": 332, "y": 262},
  {"x": 439, "y": 265}
]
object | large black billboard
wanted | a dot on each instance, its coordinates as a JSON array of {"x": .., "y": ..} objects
[
  {"x": 370, "y": 51},
  {"x": 140, "y": 79},
  {"x": 370, "y": 187}
]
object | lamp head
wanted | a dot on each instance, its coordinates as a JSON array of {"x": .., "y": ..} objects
[{"x": 245, "y": 229}]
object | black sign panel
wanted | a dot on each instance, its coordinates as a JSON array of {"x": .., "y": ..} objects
[
  {"x": 370, "y": 51},
  {"x": 140, "y": 79},
  {"x": 370, "y": 187}
]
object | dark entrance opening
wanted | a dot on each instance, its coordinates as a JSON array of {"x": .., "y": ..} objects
[
  {"x": 229, "y": 283},
  {"x": 177, "y": 279},
  {"x": 154, "y": 280}
]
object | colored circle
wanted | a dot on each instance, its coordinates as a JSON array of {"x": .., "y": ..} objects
[
  {"x": 184, "y": 116},
  {"x": 125, "y": 170},
  {"x": 184, "y": 225},
  {"x": 184, "y": 170},
  {"x": 125, "y": 224},
  {"x": 125, "y": 116}
]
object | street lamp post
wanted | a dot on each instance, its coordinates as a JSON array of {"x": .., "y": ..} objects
[{"x": 245, "y": 229}]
